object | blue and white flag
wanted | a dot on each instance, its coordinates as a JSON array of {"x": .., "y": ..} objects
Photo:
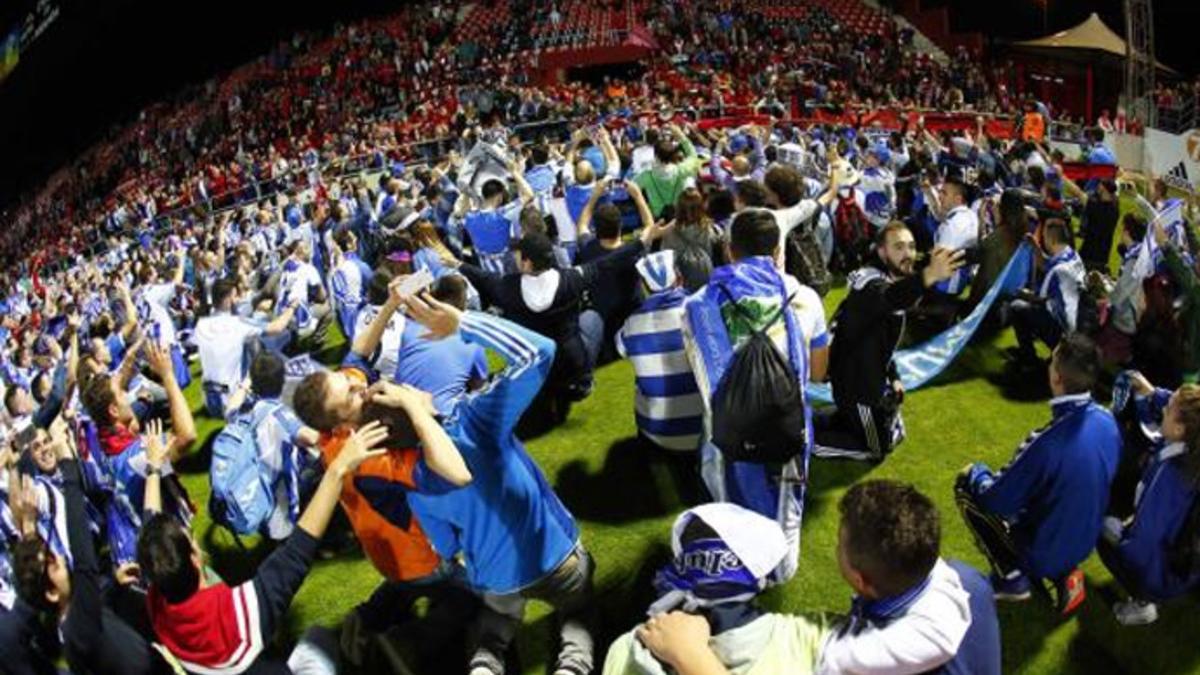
[{"x": 1170, "y": 218}]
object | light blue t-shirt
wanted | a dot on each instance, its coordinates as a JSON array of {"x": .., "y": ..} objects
[{"x": 441, "y": 367}]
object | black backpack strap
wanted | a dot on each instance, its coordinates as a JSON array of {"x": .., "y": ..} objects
[{"x": 750, "y": 319}]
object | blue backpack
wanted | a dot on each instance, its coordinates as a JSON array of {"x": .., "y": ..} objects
[{"x": 242, "y": 494}]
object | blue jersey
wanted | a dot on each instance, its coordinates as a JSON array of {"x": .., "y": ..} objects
[
  {"x": 491, "y": 231},
  {"x": 1055, "y": 491},
  {"x": 509, "y": 525},
  {"x": 1143, "y": 559}
]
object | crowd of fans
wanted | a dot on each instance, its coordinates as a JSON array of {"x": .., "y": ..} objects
[
  {"x": 372, "y": 89},
  {"x": 700, "y": 253}
]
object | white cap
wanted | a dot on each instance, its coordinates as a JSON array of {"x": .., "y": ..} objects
[{"x": 755, "y": 539}]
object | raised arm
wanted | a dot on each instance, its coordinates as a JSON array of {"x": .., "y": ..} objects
[
  {"x": 177, "y": 277},
  {"x": 182, "y": 425},
  {"x": 156, "y": 457},
  {"x": 611, "y": 158},
  {"x": 528, "y": 357},
  {"x": 440, "y": 453},
  {"x": 281, "y": 322},
  {"x": 128, "y": 367},
  {"x": 366, "y": 342},
  {"x": 584, "y": 226},
  {"x": 131, "y": 315},
  {"x": 237, "y": 398},
  {"x": 518, "y": 175},
  {"x": 645, "y": 215}
]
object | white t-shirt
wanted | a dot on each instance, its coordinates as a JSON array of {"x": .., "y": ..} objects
[
  {"x": 788, "y": 219},
  {"x": 809, "y": 312},
  {"x": 959, "y": 230},
  {"x": 642, "y": 159},
  {"x": 221, "y": 339}
]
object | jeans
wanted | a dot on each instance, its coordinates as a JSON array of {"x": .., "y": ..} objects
[
  {"x": 452, "y": 602},
  {"x": 568, "y": 589},
  {"x": 591, "y": 329},
  {"x": 215, "y": 398}
]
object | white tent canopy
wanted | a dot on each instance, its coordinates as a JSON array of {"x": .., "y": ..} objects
[{"x": 1093, "y": 34}]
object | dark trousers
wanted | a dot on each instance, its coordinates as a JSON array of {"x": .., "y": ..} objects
[
  {"x": 993, "y": 534},
  {"x": 857, "y": 431},
  {"x": 1032, "y": 321},
  {"x": 451, "y": 602}
]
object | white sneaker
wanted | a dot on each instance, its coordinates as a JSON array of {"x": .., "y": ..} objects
[{"x": 1135, "y": 612}]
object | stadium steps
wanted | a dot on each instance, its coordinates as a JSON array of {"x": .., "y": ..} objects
[{"x": 921, "y": 42}]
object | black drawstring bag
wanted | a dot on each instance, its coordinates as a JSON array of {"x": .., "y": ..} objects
[{"x": 758, "y": 407}]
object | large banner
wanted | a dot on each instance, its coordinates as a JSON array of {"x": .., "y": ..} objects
[
  {"x": 1174, "y": 157},
  {"x": 918, "y": 365}
]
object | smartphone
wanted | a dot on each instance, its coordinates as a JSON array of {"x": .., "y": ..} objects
[
  {"x": 971, "y": 256},
  {"x": 416, "y": 282}
]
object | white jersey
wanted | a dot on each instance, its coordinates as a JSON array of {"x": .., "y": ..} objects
[
  {"x": 960, "y": 230},
  {"x": 791, "y": 154},
  {"x": 295, "y": 286},
  {"x": 927, "y": 636},
  {"x": 878, "y": 186},
  {"x": 388, "y": 358}
]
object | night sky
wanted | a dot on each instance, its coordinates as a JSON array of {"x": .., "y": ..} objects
[{"x": 105, "y": 59}]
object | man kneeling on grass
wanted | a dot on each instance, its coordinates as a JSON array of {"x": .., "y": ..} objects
[
  {"x": 1040, "y": 516},
  {"x": 912, "y": 611}
]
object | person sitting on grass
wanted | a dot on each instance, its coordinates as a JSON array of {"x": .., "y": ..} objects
[
  {"x": 210, "y": 627},
  {"x": 912, "y": 612},
  {"x": 723, "y": 555},
  {"x": 1041, "y": 515},
  {"x": 1152, "y": 553},
  {"x": 123, "y": 450},
  {"x": 668, "y": 407},
  {"x": 70, "y": 585},
  {"x": 286, "y": 448},
  {"x": 549, "y": 300},
  {"x": 1053, "y": 310}
]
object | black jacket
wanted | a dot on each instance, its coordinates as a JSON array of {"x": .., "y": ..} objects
[
  {"x": 866, "y": 329},
  {"x": 95, "y": 639},
  {"x": 560, "y": 320}
]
